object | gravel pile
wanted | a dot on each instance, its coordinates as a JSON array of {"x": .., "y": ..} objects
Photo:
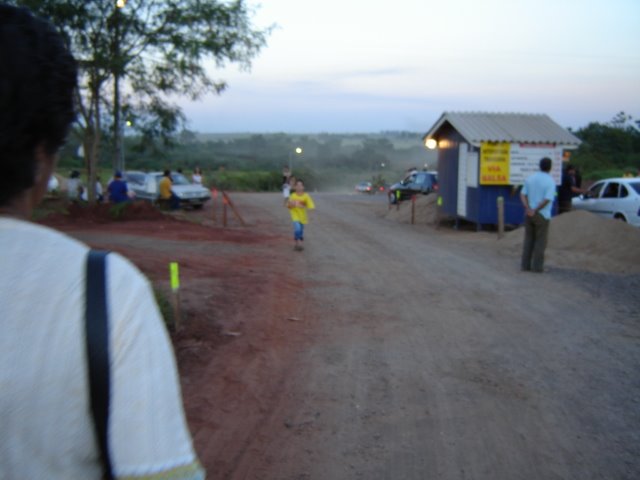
[
  {"x": 587, "y": 240},
  {"x": 577, "y": 239}
]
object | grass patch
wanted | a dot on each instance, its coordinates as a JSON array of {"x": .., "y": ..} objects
[
  {"x": 49, "y": 205},
  {"x": 166, "y": 309},
  {"x": 117, "y": 210}
]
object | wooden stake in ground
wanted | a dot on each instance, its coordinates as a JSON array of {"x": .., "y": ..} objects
[
  {"x": 228, "y": 201},
  {"x": 438, "y": 212},
  {"x": 500, "y": 203},
  {"x": 175, "y": 289},
  {"x": 413, "y": 209},
  {"x": 224, "y": 209},
  {"x": 214, "y": 201}
]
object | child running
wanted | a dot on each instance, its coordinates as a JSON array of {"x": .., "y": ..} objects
[{"x": 298, "y": 204}]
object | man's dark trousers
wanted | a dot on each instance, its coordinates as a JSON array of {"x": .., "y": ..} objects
[{"x": 536, "y": 231}]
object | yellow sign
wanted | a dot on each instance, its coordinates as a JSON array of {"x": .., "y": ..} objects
[
  {"x": 494, "y": 163},
  {"x": 175, "y": 278}
]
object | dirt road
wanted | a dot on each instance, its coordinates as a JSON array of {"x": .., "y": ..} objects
[
  {"x": 434, "y": 357},
  {"x": 391, "y": 351}
]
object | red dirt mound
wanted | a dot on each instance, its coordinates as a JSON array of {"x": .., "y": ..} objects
[{"x": 105, "y": 213}]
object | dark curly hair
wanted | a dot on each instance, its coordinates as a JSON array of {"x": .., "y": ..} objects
[
  {"x": 545, "y": 164},
  {"x": 37, "y": 85}
]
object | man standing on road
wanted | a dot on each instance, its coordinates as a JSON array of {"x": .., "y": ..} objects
[{"x": 537, "y": 197}]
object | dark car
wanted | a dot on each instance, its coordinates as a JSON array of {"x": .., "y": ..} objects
[
  {"x": 364, "y": 187},
  {"x": 418, "y": 182}
]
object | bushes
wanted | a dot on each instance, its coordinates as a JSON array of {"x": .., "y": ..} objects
[{"x": 258, "y": 181}]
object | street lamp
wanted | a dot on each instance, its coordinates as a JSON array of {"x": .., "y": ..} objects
[{"x": 298, "y": 151}]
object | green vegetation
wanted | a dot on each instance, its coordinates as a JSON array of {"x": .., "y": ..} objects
[
  {"x": 254, "y": 162},
  {"x": 135, "y": 55},
  {"x": 166, "y": 309},
  {"x": 117, "y": 210},
  {"x": 609, "y": 150},
  {"x": 49, "y": 205}
]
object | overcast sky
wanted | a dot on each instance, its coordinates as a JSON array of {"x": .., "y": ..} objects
[{"x": 373, "y": 65}]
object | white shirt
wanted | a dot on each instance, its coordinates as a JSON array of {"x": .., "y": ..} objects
[
  {"x": 46, "y": 430},
  {"x": 85, "y": 192},
  {"x": 72, "y": 188}
]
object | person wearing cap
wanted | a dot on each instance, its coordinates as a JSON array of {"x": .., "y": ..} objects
[{"x": 117, "y": 189}]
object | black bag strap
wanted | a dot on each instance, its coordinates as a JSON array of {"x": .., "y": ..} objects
[{"x": 97, "y": 342}]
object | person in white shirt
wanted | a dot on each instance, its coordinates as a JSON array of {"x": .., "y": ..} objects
[
  {"x": 74, "y": 186},
  {"x": 46, "y": 426},
  {"x": 197, "y": 176}
]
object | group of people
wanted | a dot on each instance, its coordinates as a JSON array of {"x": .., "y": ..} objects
[
  {"x": 537, "y": 196},
  {"x": 76, "y": 191},
  {"x": 117, "y": 189},
  {"x": 48, "y": 430}
]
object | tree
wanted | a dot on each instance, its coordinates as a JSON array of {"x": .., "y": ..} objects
[
  {"x": 612, "y": 146},
  {"x": 134, "y": 55},
  {"x": 624, "y": 121}
]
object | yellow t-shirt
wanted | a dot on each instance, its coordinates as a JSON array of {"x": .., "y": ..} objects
[
  {"x": 165, "y": 188},
  {"x": 298, "y": 205}
]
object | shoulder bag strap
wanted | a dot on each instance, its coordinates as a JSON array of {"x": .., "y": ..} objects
[{"x": 97, "y": 342}]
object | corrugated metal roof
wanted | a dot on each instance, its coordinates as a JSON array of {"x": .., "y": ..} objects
[{"x": 478, "y": 127}]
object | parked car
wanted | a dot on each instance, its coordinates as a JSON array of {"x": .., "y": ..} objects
[
  {"x": 364, "y": 187},
  {"x": 617, "y": 198},
  {"x": 145, "y": 187},
  {"x": 415, "y": 183}
]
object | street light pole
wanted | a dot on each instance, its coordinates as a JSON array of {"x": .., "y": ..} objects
[{"x": 298, "y": 151}]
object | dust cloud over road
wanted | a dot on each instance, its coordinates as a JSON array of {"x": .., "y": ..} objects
[{"x": 429, "y": 355}]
